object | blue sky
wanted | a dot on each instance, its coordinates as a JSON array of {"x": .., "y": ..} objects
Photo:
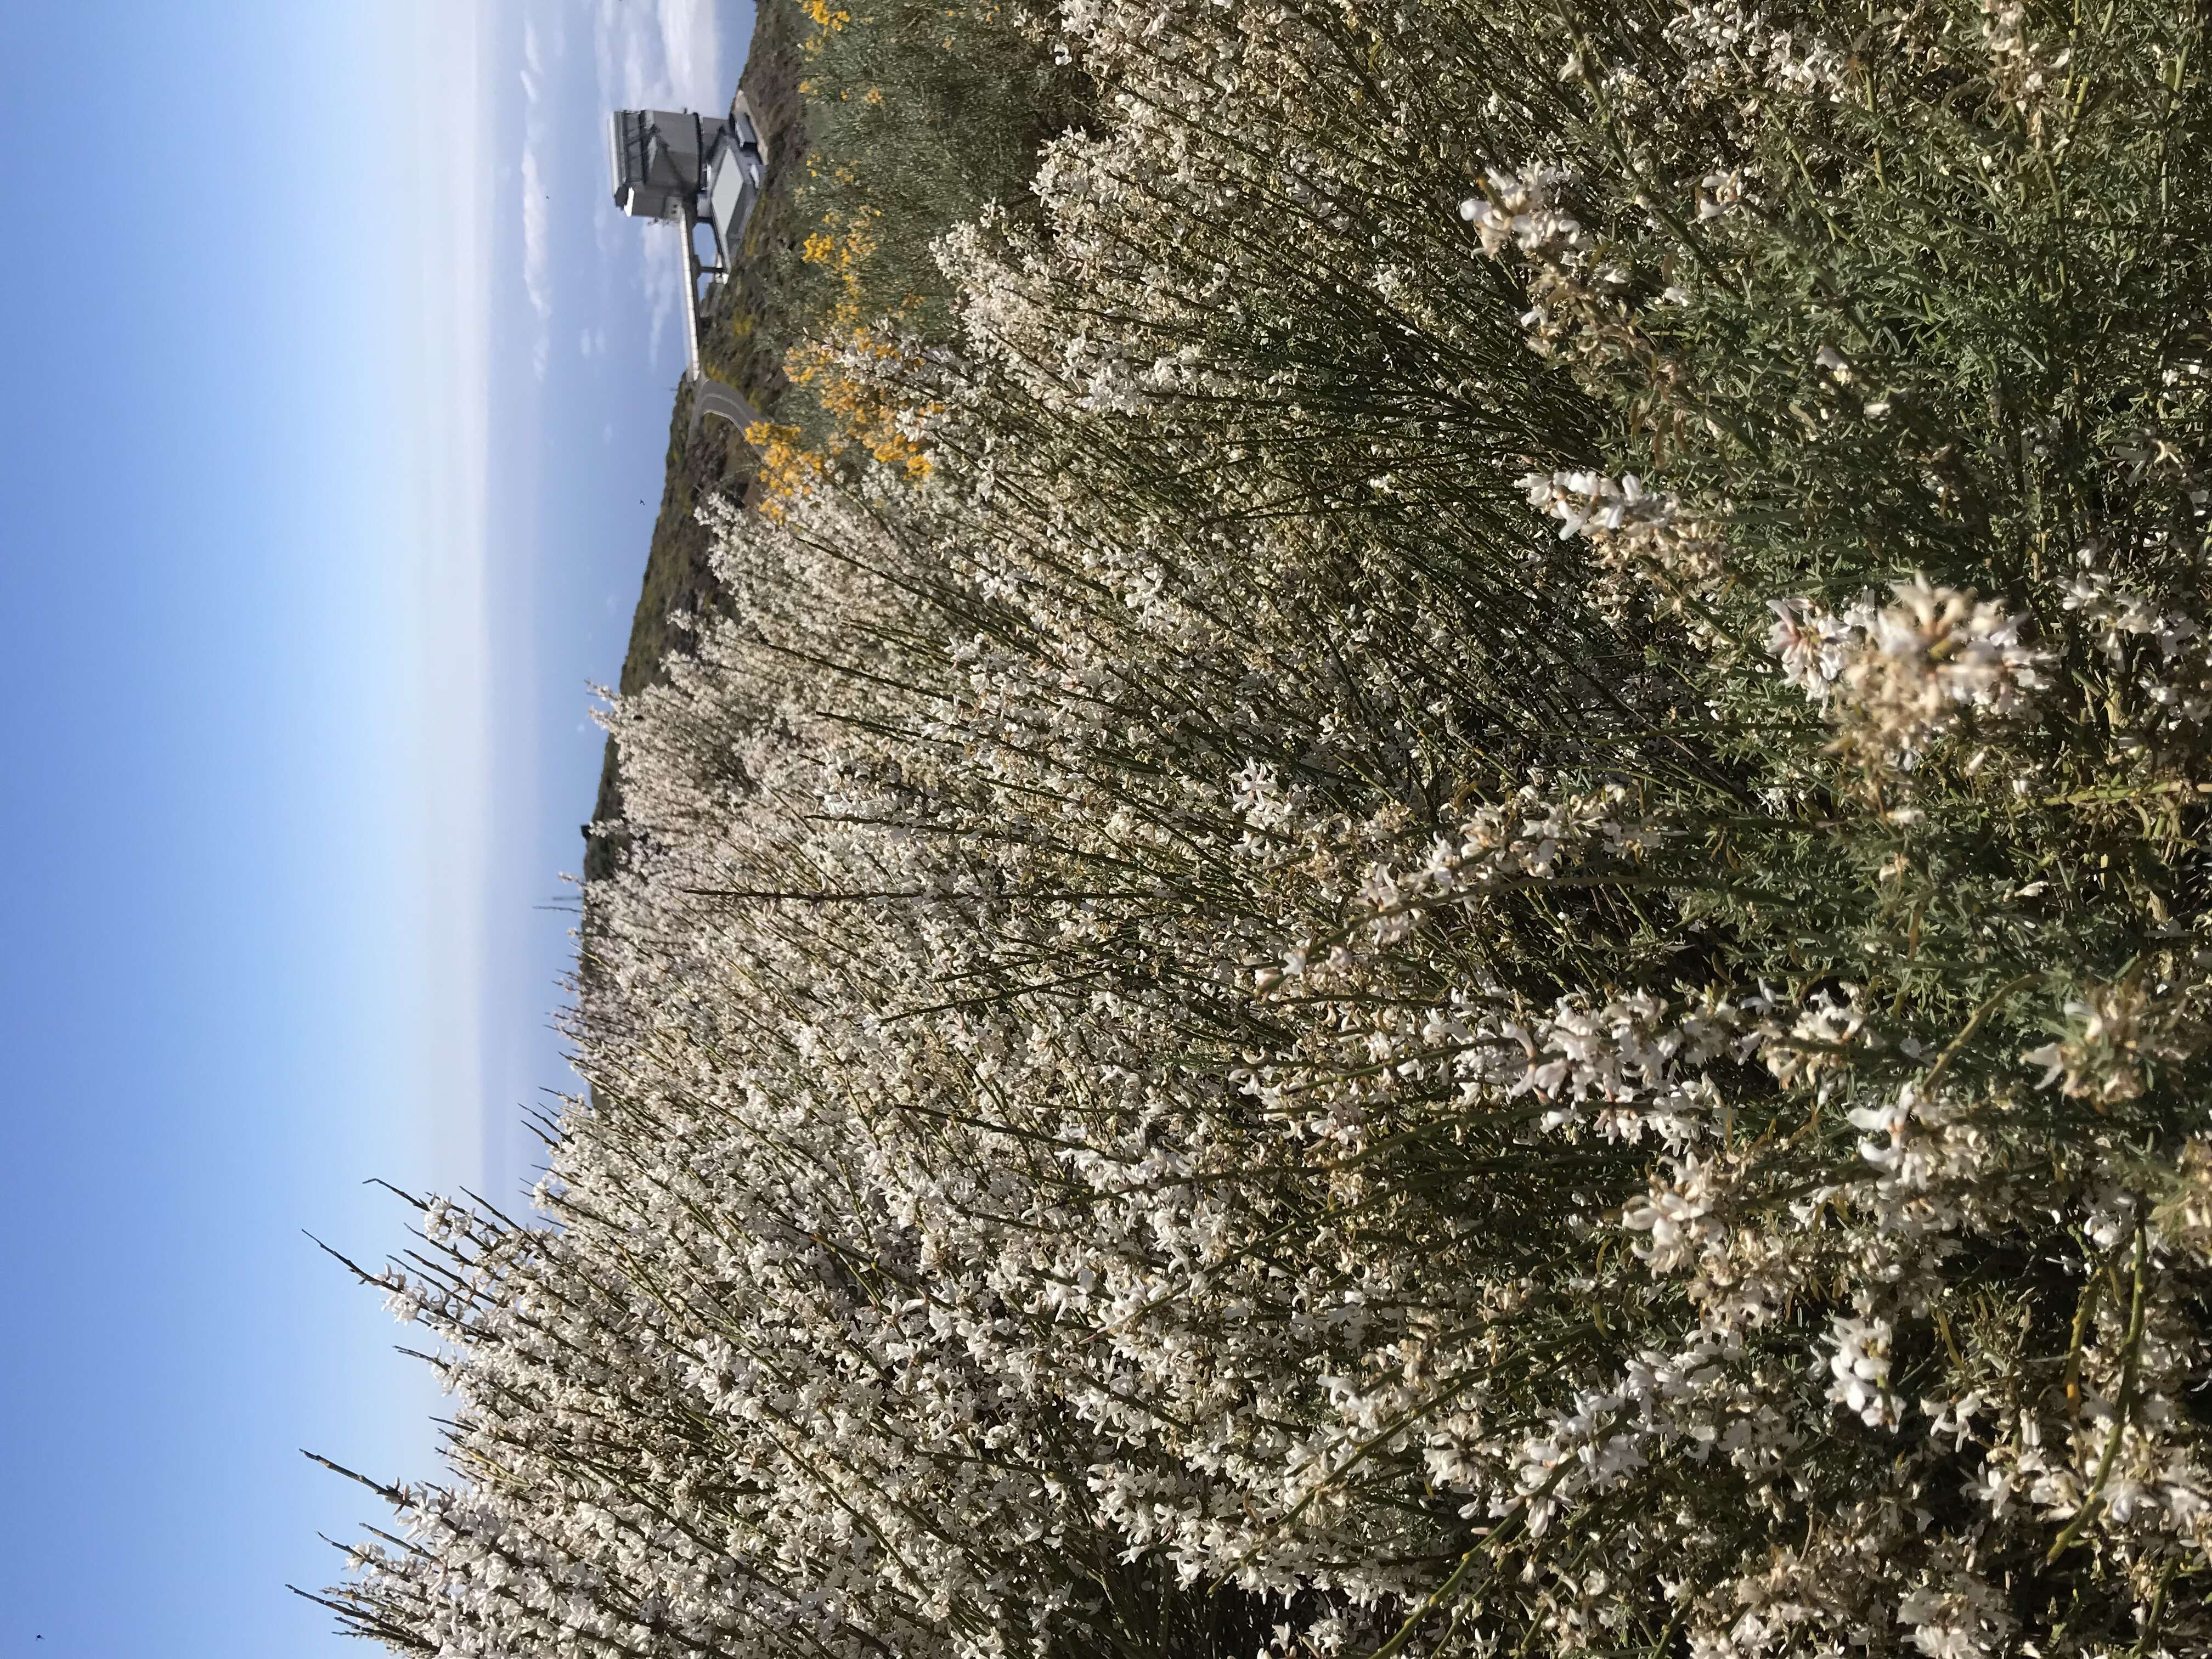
[{"x": 335, "y": 392}]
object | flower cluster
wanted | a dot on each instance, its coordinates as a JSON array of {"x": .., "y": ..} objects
[
  {"x": 1636, "y": 532},
  {"x": 1901, "y": 675}
]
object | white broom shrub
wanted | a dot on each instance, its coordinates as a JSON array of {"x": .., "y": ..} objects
[{"x": 1486, "y": 931}]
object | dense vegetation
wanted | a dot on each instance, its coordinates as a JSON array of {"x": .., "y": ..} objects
[
  {"x": 924, "y": 117},
  {"x": 1438, "y": 884}
]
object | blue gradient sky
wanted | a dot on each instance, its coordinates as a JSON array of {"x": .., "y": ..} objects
[{"x": 334, "y": 388}]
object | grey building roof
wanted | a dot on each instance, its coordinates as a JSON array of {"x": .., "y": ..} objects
[
  {"x": 656, "y": 158},
  {"x": 730, "y": 197}
]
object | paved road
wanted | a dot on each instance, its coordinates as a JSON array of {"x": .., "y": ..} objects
[{"x": 713, "y": 397}]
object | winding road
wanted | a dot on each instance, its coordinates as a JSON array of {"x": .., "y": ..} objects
[{"x": 713, "y": 397}]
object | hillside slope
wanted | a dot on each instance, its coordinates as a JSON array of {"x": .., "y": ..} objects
[{"x": 744, "y": 333}]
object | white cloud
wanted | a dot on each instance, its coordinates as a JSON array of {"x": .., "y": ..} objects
[
  {"x": 536, "y": 259},
  {"x": 691, "y": 46},
  {"x": 665, "y": 273},
  {"x": 450, "y": 154},
  {"x": 537, "y": 217}
]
